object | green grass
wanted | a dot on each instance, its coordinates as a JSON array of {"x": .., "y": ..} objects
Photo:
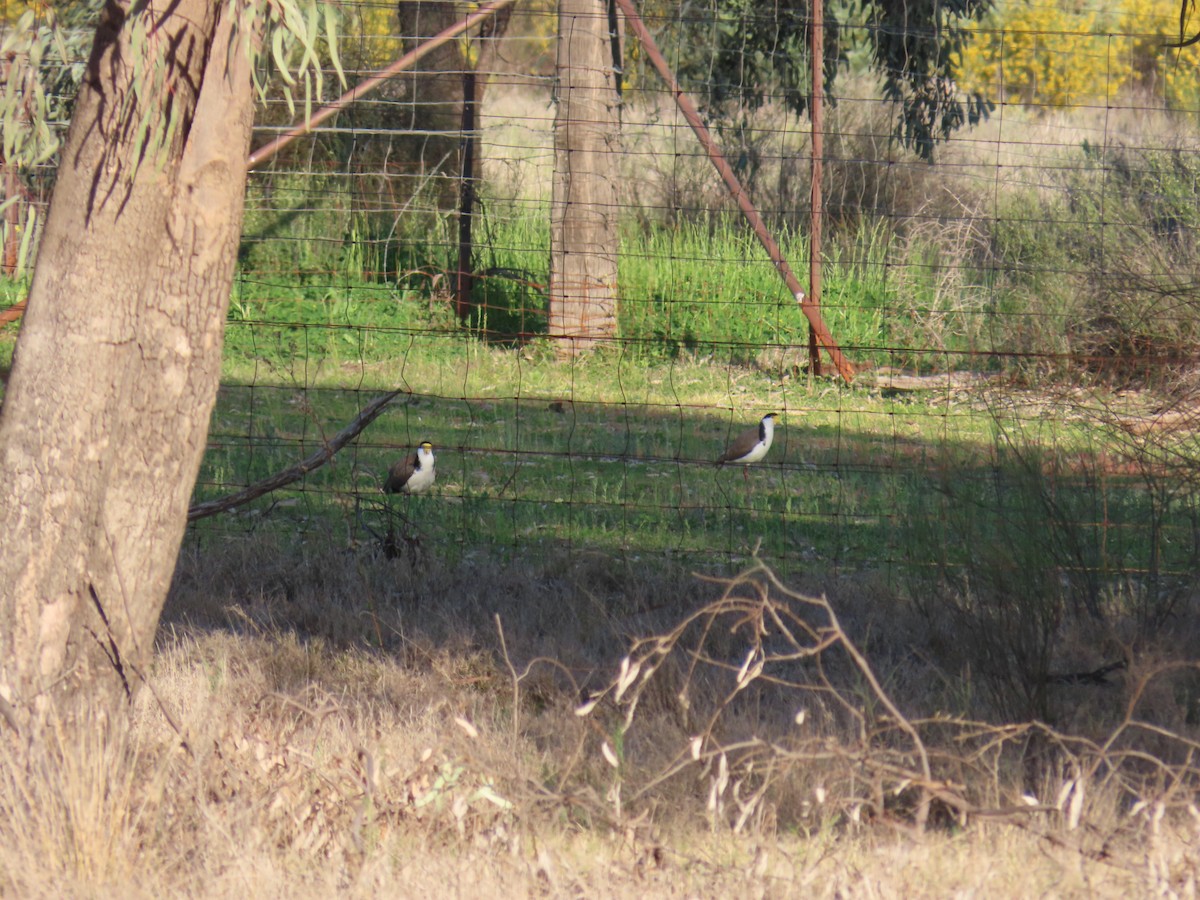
[
  {"x": 1073, "y": 271},
  {"x": 625, "y": 467},
  {"x": 709, "y": 342},
  {"x": 697, "y": 286},
  {"x": 703, "y": 284},
  {"x": 608, "y": 473}
]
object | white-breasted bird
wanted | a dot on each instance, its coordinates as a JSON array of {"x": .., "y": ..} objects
[
  {"x": 752, "y": 444},
  {"x": 412, "y": 474}
]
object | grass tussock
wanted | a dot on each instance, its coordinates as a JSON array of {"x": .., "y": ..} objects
[{"x": 338, "y": 722}]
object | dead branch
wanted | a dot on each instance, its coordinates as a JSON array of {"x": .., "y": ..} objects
[
  {"x": 298, "y": 471},
  {"x": 865, "y": 759}
]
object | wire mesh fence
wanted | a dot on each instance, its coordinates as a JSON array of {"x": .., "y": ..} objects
[{"x": 1019, "y": 302}]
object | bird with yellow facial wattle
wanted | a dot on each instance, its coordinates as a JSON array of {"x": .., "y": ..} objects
[{"x": 413, "y": 474}]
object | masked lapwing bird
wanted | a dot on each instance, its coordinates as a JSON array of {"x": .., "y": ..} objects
[
  {"x": 752, "y": 444},
  {"x": 412, "y": 474}
]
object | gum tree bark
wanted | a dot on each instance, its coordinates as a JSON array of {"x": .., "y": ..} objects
[{"x": 118, "y": 361}]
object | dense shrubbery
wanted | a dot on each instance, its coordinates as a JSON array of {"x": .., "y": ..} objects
[
  {"x": 1057, "y": 55},
  {"x": 1097, "y": 268}
]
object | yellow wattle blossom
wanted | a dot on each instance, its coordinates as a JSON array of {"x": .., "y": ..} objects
[{"x": 1056, "y": 54}]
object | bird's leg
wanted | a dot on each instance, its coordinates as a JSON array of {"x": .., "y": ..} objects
[{"x": 746, "y": 474}]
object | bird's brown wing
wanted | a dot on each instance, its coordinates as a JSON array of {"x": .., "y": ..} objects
[
  {"x": 400, "y": 473},
  {"x": 740, "y": 446}
]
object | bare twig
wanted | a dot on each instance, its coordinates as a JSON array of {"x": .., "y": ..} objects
[
  {"x": 864, "y": 668},
  {"x": 516, "y": 681},
  {"x": 298, "y": 471}
]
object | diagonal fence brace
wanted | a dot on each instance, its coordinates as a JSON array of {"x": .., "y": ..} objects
[{"x": 688, "y": 108}]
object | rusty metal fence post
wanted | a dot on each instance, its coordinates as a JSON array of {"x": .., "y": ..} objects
[{"x": 816, "y": 113}]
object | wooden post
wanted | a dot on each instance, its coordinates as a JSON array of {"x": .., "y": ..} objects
[{"x": 583, "y": 206}]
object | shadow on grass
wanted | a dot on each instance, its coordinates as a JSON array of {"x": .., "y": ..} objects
[
  {"x": 836, "y": 491},
  {"x": 978, "y": 572}
]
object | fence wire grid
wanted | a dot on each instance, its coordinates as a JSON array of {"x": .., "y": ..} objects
[{"x": 1020, "y": 305}]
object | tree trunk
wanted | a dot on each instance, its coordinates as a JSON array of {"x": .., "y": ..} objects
[
  {"x": 583, "y": 208},
  {"x": 12, "y": 220},
  {"x": 433, "y": 103},
  {"x": 118, "y": 361}
]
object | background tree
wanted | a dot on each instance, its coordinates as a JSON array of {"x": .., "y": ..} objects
[
  {"x": 39, "y": 89},
  {"x": 387, "y": 179},
  {"x": 749, "y": 52},
  {"x": 117, "y": 365}
]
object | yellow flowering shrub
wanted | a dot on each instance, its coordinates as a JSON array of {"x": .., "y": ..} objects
[
  {"x": 1071, "y": 53},
  {"x": 1146, "y": 25},
  {"x": 1045, "y": 54}
]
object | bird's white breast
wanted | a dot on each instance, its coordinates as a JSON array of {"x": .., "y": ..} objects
[
  {"x": 766, "y": 434},
  {"x": 423, "y": 476}
]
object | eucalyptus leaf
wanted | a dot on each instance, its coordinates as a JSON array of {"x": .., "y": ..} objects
[
  {"x": 281, "y": 62},
  {"x": 331, "y": 36}
]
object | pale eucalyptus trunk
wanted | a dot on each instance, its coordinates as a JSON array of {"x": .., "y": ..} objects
[{"x": 117, "y": 365}]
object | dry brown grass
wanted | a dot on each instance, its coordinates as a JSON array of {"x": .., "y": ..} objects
[{"x": 357, "y": 726}]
